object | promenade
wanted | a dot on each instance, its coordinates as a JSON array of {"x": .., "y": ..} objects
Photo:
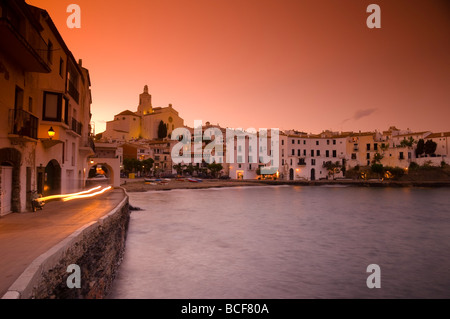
[{"x": 25, "y": 236}]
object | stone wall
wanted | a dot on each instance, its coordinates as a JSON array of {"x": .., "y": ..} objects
[{"x": 97, "y": 249}]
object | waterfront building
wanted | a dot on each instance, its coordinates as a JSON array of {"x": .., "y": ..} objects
[
  {"x": 246, "y": 157},
  {"x": 303, "y": 155},
  {"x": 45, "y": 99}
]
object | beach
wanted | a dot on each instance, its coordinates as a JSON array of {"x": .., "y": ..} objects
[{"x": 139, "y": 185}]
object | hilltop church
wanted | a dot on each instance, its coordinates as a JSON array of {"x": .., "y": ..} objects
[{"x": 144, "y": 123}]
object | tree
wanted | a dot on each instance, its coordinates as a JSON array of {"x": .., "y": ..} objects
[
  {"x": 215, "y": 168},
  {"x": 189, "y": 169},
  {"x": 132, "y": 165},
  {"x": 430, "y": 147},
  {"x": 333, "y": 167},
  {"x": 179, "y": 168},
  {"x": 377, "y": 169},
  {"x": 377, "y": 158},
  {"x": 147, "y": 165},
  {"x": 162, "y": 130},
  {"x": 420, "y": 148},
  {"x": 407, "y": 142}
]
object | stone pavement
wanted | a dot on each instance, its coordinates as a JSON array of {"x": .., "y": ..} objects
[{"x": 25, "y": 236}]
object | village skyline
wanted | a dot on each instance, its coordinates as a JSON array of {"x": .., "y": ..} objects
[{"x": 312, "y": 67}]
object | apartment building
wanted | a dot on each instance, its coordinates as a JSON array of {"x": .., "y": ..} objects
[{"x": 45, "y": 99}]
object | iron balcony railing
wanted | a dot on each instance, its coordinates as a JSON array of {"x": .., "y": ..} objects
[
  {"x": 76, "y": 126},
  {"x": 23, "y": 123},
  {"x": 29, "y": 36},
  {"x": 74, "y": 92}
]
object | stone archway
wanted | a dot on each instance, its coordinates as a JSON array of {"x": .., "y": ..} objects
[
  {"x": 13, "y": 158},
  {"x": 100, "y": 168}
]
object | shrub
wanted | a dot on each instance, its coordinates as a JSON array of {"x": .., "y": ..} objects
[{"x": 413, "y": 166}]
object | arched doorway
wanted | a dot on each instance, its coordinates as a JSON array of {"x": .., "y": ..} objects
[
  {"x": 100, "y": 173},
  {"x": 313, "y": 174},
  {"x": 10, "y": 160},
  {"x": 291, "y": 174},
  {"x": 52, "y": 178}
]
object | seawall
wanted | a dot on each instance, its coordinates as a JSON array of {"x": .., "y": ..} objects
[{"x": 97, "y": 248}]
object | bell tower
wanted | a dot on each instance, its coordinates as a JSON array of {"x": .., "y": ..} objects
[{"x": 145, "y": 103}]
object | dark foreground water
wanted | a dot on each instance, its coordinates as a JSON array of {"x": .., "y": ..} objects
[{"x": 287, "y": 242}]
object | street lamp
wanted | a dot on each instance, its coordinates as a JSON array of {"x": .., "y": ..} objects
[{"x": 51, "y": 133}]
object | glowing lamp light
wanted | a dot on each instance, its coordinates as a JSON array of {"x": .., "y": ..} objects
[
  {"x": 92, "y": 161},
  {"x": 51, "y": 133}
]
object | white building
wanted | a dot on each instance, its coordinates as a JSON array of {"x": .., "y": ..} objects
[{"x": 303, "y": 155}]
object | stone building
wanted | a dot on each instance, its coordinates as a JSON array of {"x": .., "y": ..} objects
[
  {"x": 45, "y": 103},
  {"x": 144, "y": 123}
]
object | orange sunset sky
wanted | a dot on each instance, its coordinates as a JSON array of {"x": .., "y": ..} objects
[{"x": 291, "y": 64}]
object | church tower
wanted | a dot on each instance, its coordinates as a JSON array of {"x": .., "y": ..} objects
[{"x": 145, "y": 103}]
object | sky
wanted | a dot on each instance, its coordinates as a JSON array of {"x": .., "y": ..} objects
[{"x": 308, "y": 65}]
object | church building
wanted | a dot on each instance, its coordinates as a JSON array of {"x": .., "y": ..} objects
[{"x": 144, "y": 123}]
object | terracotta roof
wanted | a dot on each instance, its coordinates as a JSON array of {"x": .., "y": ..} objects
[
  {"x": 436, "y": 135},
  {"x": 127, "y": 112},
  {"x": 410, "y": 134}
]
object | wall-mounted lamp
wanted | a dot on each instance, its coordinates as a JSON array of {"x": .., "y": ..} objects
[
  {"x": 51, "y": 133},
  {"x": 92, "y": 161}
]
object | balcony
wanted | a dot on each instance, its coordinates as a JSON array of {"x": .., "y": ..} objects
[
  {"x": 23, "y": 125},
  {"x": 75, "y": 128},
  {"x": 21, "y": 41},
  {"x": 301, "y": 162},
  {"x": 73, "y": 92}
]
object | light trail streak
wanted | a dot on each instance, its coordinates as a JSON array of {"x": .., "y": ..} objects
[{"x": 87, "y": 195}]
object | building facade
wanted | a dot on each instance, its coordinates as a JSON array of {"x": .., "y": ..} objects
[{"x": 45, "y": 97}]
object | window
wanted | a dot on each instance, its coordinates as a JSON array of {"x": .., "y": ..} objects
[
  {"x": 318, "y": 152},
  {"x": 312, "y": 153},
  {"x": 334, "y": 142},
  {"x": 293, "y": 142},
  {"x": 298, "y": 152},
  {"x": 49, "y": 52},
  {"x": 304, "y": 152},
  {"x": 313, "y": 161},
  {"x": 304, "y": 142},
  {"x": 353, "y": 156},
  {"x": 298, "y": 141},
  {"x": 52, "y": 107},
  {"x": 73, "y": 154},
  {"x": 334, "y": 153},
  {"x": 282, "y": 142},
  {"x": 317, "y": 142},
  {"x": 293, "y": 152},
  {"x": 368, "y": 156},
  {"x": 375, "y": 146},
  {"x": 368, "y": 147},
  {"x": 30, "y": 104},
  {"x": 282, "y": 162},
  {"x": 327, "y": 153},
  {"x": 18, "y": 102},
  {"x": 61, "y": 67},
  {"x": 328, "y": 142}
]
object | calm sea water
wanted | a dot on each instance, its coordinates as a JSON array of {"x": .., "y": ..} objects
[{"x": 287, "y": 242}]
